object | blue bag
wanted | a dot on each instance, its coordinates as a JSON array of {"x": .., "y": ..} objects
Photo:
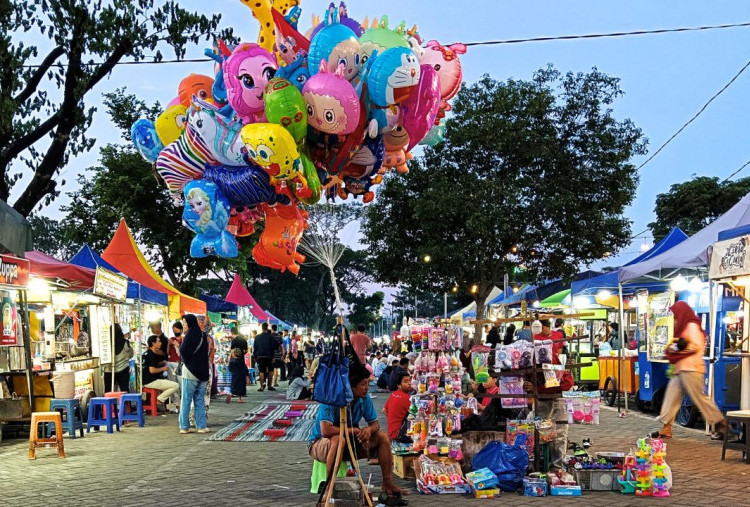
[
  {"x": 507, "y": 462},
  {"x": 332, "y": 379}
]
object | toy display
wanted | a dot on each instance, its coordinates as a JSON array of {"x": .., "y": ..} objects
[
  {"x": 514, "y": 428},
  {"x": 582, "y": 407},
  {"x": 512, "y": 385},
  {"x": 437, "y": 477},
  {"x": 643, "y": 478}
]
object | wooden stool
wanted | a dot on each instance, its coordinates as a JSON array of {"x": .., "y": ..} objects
[
  {"x": 151, "y": 399},
  {"x": 742, "y": 419},
  {"x": 38, "y": 418}
]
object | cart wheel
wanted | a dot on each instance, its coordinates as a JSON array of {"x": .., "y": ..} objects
[
  {"x": 687, "y": 416},
  {"x": 657, "y": 400},
  {"x": 610, "y": 391},
  {"x": 642, "y": 405}
]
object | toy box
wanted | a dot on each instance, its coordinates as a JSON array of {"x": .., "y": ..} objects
[
  {"x": 533, "y": 486},
  {"x": 403, "y": 466},
  {"x": 482, "y": 478},
  {"x": 427, "y": 488},
  {"x": 562, "y": 490},
  {"x": 486, "y": 493}
]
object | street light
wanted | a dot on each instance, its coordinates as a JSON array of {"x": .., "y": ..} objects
[
  {"x": 454, "y": 290},
  {"x": 474, "y": 289},
  {"x": 427, "y": 258}
]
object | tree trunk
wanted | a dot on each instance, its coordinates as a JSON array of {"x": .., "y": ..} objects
[{"x": 479, "y": 300}]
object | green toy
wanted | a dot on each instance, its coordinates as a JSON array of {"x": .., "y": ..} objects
[
  {"x": 380, "y": 37},
  {"x": 285, "y": 106}
]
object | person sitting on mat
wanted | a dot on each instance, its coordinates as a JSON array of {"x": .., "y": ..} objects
[
  {"x": 299, "y": 386},
  {"x": 369, "y": 441}
]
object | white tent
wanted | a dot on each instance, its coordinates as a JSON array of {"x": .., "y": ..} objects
[
  {"x": 693, "y": 252},
  {"x": 459, "y": 315}
]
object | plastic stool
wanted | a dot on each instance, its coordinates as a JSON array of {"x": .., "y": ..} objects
[
  {"x": 742, "y": 419},
  {"x": 125, "y": 414},
  {"x": 253, "y": 372},
  {"x": 319, "y": 474},
  {"x": 108, "y": 417},
  {"x": 70, "y": 411},
  {"x": 151, "y": 399},
  {"x": 38, "y": 418},
  {"x": 113, "y": 394}
]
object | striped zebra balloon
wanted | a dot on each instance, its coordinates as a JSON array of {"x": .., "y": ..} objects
[{"x": 183, "y": 161}]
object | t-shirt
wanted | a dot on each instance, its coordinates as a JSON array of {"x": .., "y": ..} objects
[
  {"x": 524, "y": 334},
  {"x": 150, "y": 359},
  {"x": 360, "y": 342},
  {"x": 397, "y": 409},
  {"x": 360, "y": 409},
  {"x": 287, "y": 344},
  {"x": 492, "y": 390},
  {"x": 174, "y": 355},
  {"x": 295, "y": 388}
]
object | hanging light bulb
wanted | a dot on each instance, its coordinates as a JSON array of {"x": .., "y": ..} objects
[
  {"x": 536, "y": 304},
  {"x": 679, "y": 284},
  {"x": 695, "y": 285},
  {"x": 604, "y": 294},
  {"x": 645, "y": 247}
]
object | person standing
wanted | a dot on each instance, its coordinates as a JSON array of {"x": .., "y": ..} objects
[
  {"x": 689, "y": 370},
  {"x": 173, "y": 351},
  {"x": 309, "y": 353},
  {"x": 525, "y": 332},
  {"x": 263, "y": 351},
  {"x": 123, "y": 353},
  {"x": 509, "y": 332},
  {"x": 238, "y": 341},
  {"x": 195, "y": 376},
  {"x": 493, "y": 335},
  {"x": 240, "y": 375},
  {"x": 361, "y": 342},
  {"x": 278, "y": 356}
]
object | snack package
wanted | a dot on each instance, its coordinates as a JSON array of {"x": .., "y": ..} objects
[
  {"x": 543, "y": 351},
  {"x": 512, "y": 385}
]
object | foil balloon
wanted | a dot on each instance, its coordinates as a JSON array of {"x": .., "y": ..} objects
[
  {"x": 195, "y": 85},
  {"x": 285, "y": 106},
  {"x": 310, "y": 172},
  {"x": 379, "y": 38},
  {"x": 246, "y": 73},
  {"x": 183, "y": 161},
  {"x": 274, "y": 149},
  {"x": 277, "y": 247},
  {"x": 367, "y": 160},
  {"x": 171, "y": 124},
  {"x": 295, "y": 72},
  {"x": 336, "y": 44},
  {"x": 220, "y": 135},
  {"x": 242, "y": 220},
  {"x": 344, "y": 19},
  {"x": 444, "y": 59},
  {"x": 262, "y": 10},
  {"x": 396, "y": 155},
  {"x": 359, "y": 187},
  {"x": 290, "y": 44},
  {"x": 435, "y": 135},
  {"x": 332, "y": 102},
  {"x": 207, "y": 214},
  {"x": 393, "y": 77},
  {"x": 146, "y": 141},
  {"x": 245, "y": 185},
  {"x": 421, "y": 108}
]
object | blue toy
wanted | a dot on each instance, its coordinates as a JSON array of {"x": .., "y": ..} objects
[
  {"x": 244, "y": 185},
  {"x": 295, "y": 72},
  {"x": 145, "y": 139},
  {"x": 207, "y": 213},
  {"x": 337, "y": 45},
  {"x": 393, "y": 76}
]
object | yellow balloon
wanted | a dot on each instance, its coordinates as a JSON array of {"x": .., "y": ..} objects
[
  {"x": 171, "y": 124},
  {"x": 272, "y": 147},
  {"x": 262, "y": 12}
]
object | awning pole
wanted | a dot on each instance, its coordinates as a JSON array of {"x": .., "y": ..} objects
[
  {"x": 622, "y": 348},
  {"x": 714, "y": 329}
]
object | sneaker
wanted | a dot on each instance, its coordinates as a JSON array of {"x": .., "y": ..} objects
[
  {"x": 204, "y": 430},
  {"x": 185, "y": 432},
  {"x": 271, "y": 389}
]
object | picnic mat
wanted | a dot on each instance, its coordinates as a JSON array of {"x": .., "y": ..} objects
[{"x": 253, "y": 425}]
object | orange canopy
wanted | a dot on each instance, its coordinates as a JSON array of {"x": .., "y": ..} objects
[{"x": 124, "y": 254}]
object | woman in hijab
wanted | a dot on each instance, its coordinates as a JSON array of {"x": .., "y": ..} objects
[
  {"x": 195, "y": 376},
  {"x": 123, "y": 353},
  {"x": 509, "y": 332},
  {"x": 689, "y": 369}
]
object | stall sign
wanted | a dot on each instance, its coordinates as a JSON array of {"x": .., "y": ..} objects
[
  {"x": 730, "y": 258},
  {"x": 660, "y": 325},
  {"x": 8, "y": 320},
  {"x": 84, "y": 380},
  {"x": 14, "y": 271},
  {"x": 110, "y": 284}
]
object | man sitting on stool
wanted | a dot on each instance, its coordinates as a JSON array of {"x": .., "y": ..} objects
[
  {"x": 154, "y": 370},
  {"x": 369, "y": 441}
]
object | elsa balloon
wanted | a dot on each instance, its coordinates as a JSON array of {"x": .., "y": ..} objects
[{"x": 207, "y": 214}]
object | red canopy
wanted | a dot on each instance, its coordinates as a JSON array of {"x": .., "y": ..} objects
[
  {"x": 77, "y": 277},
  {"x": 240, "y": 296}
]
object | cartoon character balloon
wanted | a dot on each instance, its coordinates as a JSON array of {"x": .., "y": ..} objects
[
  {"x": 393, "y": 77},
  {"x": 246, "y": 74},
  {"x": 146, "y": 140},
  {"x": 332, "y": 103},
  {"x": 220, "y": 135},
  {"x": 195, "y": 85},
  {"x": 285, "y": 106},
  {"x": 207, "y": 213},
  {"x": 379, "y": 38},
  {"x": 336, "y": 44},
  {"x": 444, "y": 59},
  {"x": 421, "y": 108},
  {"x": 171, "y": 123},
  {"x": 295, "y": 72},
  {"x": 277, "y": 247}
]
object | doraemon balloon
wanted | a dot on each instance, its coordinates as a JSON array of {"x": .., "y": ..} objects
[
  {"x": 246, "y": 74},
  {"x": 336, "y": 44},
  {"x": 332, "y": 103},
  {"x": 393, "y": 77},
  {"x": 207, "y": 214},
  {"x": 146, "y": 140}
]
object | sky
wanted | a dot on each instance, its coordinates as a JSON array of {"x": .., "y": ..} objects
[{"x": 666, "y": 78}]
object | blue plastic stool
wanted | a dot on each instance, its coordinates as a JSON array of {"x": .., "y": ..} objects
[
  {"x": 72, "y": 416},
  {"x": 138, "y": 415},
  {"x": 97, "y": 418},
  {"x": 253, "y": 372}
]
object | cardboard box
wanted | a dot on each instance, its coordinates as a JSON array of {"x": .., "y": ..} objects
[
  {"x": 482, "y": 479},
  {"x": 403, "y": 465},
  {"x": 565, "y": 490}
]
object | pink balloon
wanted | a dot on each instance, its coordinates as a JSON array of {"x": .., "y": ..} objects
[
  {"x": 421, "y": 108},
  {"x": 175, "y": 101}
]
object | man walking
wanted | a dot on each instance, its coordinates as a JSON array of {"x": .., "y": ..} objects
[
  {"x": 360, "y": 342},
  {"x": 263, "y": 350}
]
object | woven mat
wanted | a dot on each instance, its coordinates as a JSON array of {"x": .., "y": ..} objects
[{"x": 250, "y": 427}]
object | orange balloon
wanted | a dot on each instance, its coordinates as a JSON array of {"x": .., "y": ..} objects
[
  {"x": 277, "y": 246},
  {"x": 198, "y": 85}
]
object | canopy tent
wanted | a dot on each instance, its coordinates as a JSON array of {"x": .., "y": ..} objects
[
  {"x": 692, "y": 252},
  {"x": 240, "y": 296},
  {"x": 470, "y": 310},
  {"x": 556, "y": 299},
  {"x": 275, "y": 320},
  {"x": 15, "y": 233},
  {"x": 609, "y": 281},
  {"x": 76, "y": 277},
  {"x": 543, "y": 291},
  {"x": 217, "y": 305},
  {"x": 88, "y": 258},
  {"x": 123, "y": 253}
]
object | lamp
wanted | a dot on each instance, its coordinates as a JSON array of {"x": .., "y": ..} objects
[
  {"x": 536, "y": 304},
  {"x": 695, "y": 285},
  {"x": 427, "y": 258},
  {"x": 604, "y": 294},
  {"x": 679, "y": 284}
]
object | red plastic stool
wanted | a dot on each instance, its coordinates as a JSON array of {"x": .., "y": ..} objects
[
  {"x": 118, "y": 395},
  {"x": 151, "y": 398}
]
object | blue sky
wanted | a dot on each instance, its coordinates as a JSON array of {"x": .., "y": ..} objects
[{"x": 666, "y": 78}]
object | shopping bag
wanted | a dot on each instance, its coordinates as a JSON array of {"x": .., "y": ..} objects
[
  {"x": 507, "y": 462},
  {"x": 332, "y": 379}
]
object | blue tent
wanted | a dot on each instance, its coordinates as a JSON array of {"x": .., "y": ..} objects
[
  {"x": 610, "y": 280},
  {"x": 544, "y": 290},
  {"x": 217, "y": 305},
  {"x": 87, "y": 258},
  {"x": 278, "y": 321}
]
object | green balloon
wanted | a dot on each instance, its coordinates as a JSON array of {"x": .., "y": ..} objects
[{"x": 285, "y": 106}]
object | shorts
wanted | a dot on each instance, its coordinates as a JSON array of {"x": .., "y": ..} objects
[
  {"x": 278, "y": 363},
  {"x": 264, "y": 365},
  {"x": 309, "y": 356},
  {"x": 319, "y": 448}
]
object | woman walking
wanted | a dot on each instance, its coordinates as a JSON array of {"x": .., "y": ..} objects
[
  {"x": 689, "y": 369},
  {"x": 194, "y": 353}
]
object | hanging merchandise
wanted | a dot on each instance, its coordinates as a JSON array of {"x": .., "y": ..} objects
[
  {"x": 582, "y": 407},
  {"x": 543, "y": 351},
  {"x": 479, "y": 357},
  {"x": 515, "y": 428},
  {"x": 513, "y": 385}
]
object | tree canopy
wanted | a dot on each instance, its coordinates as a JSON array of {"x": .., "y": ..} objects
[
  {"x": 44, "y": 118},
  {"x": 534, "y": 173},
  {"x": 694, "y": 204}
]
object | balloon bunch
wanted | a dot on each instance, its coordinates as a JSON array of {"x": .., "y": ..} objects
[{"x": 294, "y": 117}]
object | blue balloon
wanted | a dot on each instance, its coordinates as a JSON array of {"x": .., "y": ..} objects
[
  {"x": 295, "y": 72},
  {"x": 393, "y": 76},
  {"x": 244, "y": 185},
  {"x": 435, "y": 135},
  {"x": 207, "y": 214},
  {"x": 145, "y": 139}
]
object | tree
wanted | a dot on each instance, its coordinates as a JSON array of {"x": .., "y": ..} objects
[
  {"x": 535, "y": 173},
  {"x": 43, "y": 114},
  {"x": 694, "y": 204},
  {"x": 124, "y": 186},
  {"x": 365, "y": 309},
  {"x": 49, "y": 237}
]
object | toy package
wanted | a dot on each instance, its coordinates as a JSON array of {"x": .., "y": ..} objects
[
  {"x": 543, "y": 351},
  {"x": 534, "y": 486},
  {"x": 454, "y": 337},
  {"x": 436, "y": 339},
  {"x": 552, "y": 374},
  {"x": 479, "y": 361},
  {"x": 502, "y": 358},
  {"x": 512, "y": 385},
  {"x": 547, "y": 431},
  {"x": 514, "y": 428},
  {"x": 582, "y": 407},
  {"x": 482, "y": 478},
  {"x": 521, "y": 354}
]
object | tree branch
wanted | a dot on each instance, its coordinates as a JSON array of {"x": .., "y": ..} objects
[{"x": 36, "y": 78}]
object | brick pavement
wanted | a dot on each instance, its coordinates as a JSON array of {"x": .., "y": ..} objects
[{"x": 157, "y": 465}]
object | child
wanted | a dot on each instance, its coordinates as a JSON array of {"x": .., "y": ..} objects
[
  {"x": 397, "y": 406},
  {"x": 490, "y": 387},
  {"x": 240, "y": 375}
]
